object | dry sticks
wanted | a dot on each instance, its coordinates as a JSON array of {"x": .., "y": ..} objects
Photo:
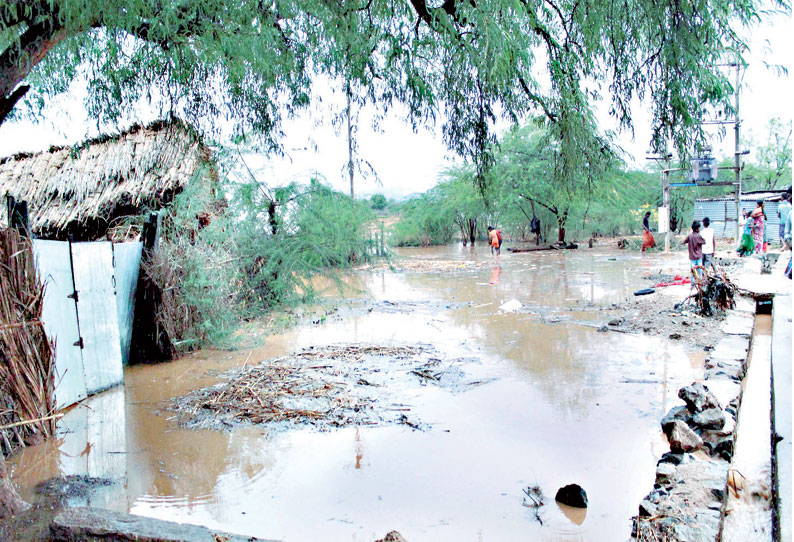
[{"x": 26, "y": 356}]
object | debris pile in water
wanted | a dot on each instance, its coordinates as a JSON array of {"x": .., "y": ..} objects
[{"x": 333, "y": 386}]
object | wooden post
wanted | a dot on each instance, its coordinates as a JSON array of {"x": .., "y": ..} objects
[
  {"x": 382, "y": 242},
  {"x": 151, "y": 232}
]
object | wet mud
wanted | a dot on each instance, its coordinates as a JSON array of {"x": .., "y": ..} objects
[{"x": 535, "y": 397}]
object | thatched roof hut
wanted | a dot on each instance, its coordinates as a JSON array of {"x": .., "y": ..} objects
[{"x": 89, "y": 189}]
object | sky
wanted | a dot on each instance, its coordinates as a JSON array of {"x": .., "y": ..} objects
[{"x": 408, "y": 161}]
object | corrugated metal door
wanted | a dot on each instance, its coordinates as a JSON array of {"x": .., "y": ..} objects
[
  {"x": 127, "y": 257},
  {"x": 92, "y": 264},
  {"x": 59, "y": 315}
]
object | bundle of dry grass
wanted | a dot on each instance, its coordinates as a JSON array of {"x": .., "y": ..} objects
[
  {"x": 167, "y": 326},
  {"x": 26, "y": 356}
]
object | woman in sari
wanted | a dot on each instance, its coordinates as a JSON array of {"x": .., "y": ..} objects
[
  {"x": 647, "y": 237},
  {"x": 758, "y": 219},
  {"x": 747, "y": 244}
]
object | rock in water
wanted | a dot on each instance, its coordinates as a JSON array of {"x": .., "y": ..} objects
[
  {"x": 681, "y": 437},
  {"x": 698, "y": 397},
  {"x": 572, "y": 495}
]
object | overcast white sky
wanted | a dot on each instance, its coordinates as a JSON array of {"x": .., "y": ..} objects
[{"x": 409, "y": 162}]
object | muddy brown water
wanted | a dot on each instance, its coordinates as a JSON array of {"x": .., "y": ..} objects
[{"x": 563, "y": 404}]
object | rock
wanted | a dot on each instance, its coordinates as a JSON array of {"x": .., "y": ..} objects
[
  {"x": 10, "y": 501},
  {"x": 718, "y": 493},
  {"x": 603, "y": 329},
  {"x": 677, "y": 413},
  {"x": 698, "y": 397},
  {"x": 681, "y": 437},
  {"x": 676, "y": 336},
  {"x": 647, "y": 509},
  {"x": 94, "y": 525},
  {"x": 672, "y": 458},
  {"x": 665, "y": 472},
  {"x": 392, "y": 536},
  {"x": 572, "y": 495},
  {"x": 711, "y": 418}
]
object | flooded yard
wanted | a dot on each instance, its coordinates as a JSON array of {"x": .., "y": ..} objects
[{"x": 551, "y": 401}]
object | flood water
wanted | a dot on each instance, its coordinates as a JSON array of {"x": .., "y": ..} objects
[{"x": 562, "y": 403}]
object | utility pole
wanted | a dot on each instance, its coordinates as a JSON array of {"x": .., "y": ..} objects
[{"x": 737, "y": 175}]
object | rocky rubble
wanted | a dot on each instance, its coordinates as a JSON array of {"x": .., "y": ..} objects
[{"x": 686, "y": 502}]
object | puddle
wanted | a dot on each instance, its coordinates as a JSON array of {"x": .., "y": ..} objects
[{"x": 557, "y": 403}]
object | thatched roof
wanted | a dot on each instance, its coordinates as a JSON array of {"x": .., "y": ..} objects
[{"x": 83, "y": 189}]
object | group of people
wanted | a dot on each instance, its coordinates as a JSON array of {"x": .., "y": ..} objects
[
  {"x": 754, "y": 238},
  {"x": 701, "y": 245}
]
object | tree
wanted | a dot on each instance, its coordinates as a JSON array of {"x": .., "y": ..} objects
[
  {"x": 771, "y": 161},
  {"x": 250, "y": 61},
  {"x": 378, "y": 202},
  {"x": 558, "y": 167},
  {"x": 462, "y": 201}
]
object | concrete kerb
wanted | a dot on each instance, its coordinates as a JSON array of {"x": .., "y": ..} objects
[
  {"x": 781, "y": 414},
  {"x": 726, "y": 367}
]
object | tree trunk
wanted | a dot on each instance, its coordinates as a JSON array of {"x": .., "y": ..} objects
[
  {"x": 561, "y": 220},
  {"x": 472, "y": 230}
]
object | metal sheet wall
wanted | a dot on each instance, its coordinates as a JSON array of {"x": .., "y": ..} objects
[
  {"x": 59, "y": 315},
  {"x": 89, "y": 300},
  {"x": 127, "y": 258},
  {"x": 722, "y": 213},
  {"x": 97, "y": 314}
]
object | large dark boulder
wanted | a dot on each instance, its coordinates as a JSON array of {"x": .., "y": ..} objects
[
  {"x": 572, "y": 495},
  {"x": 698, "y": 397}
]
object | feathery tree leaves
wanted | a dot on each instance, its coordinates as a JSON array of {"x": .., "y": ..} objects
[{"x": 250, "y": 61}]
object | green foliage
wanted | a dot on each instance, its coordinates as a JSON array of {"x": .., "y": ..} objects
[
  {"x": 421, "y": 222},
  {"x": 378, "y": 202},
  {"x": 251, "y": 62},
  {"x": 589, "y": 196},
  {"x": 769, "y": 164},
  {"x": 247, "y": 261}
]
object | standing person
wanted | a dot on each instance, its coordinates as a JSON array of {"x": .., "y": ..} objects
[
  {"x": 758, "y": 218},
  {"x": 787, "y": 242},
  {"x": 746, "y": 245},
  {"x": 534, "y": 227},
  {"x": 495, "y": 239},
  {"x": 710, "y": 247},
  {"x": 783, "y": 212},
  {"x": 695, "y": 245},
  {"x": 647, "y": 237}
]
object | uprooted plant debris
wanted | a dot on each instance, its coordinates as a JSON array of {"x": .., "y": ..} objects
[{"x": 334, "y": 386}]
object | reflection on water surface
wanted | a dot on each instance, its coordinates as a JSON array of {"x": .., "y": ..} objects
[{"x": 560, "y": 408}]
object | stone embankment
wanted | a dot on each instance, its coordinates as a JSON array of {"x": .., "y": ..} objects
[{"x": 706, "y": 486}]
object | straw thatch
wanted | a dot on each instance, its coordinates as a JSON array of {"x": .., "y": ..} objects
[
  {"x": 26, "y": 355},
  {"x": 88, "y": 189}
]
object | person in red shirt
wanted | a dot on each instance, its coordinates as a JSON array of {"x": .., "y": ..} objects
[{"x": 695, "y": 244}]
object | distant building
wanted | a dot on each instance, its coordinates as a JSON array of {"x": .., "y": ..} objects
[{"x": 722, "y": 212}]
